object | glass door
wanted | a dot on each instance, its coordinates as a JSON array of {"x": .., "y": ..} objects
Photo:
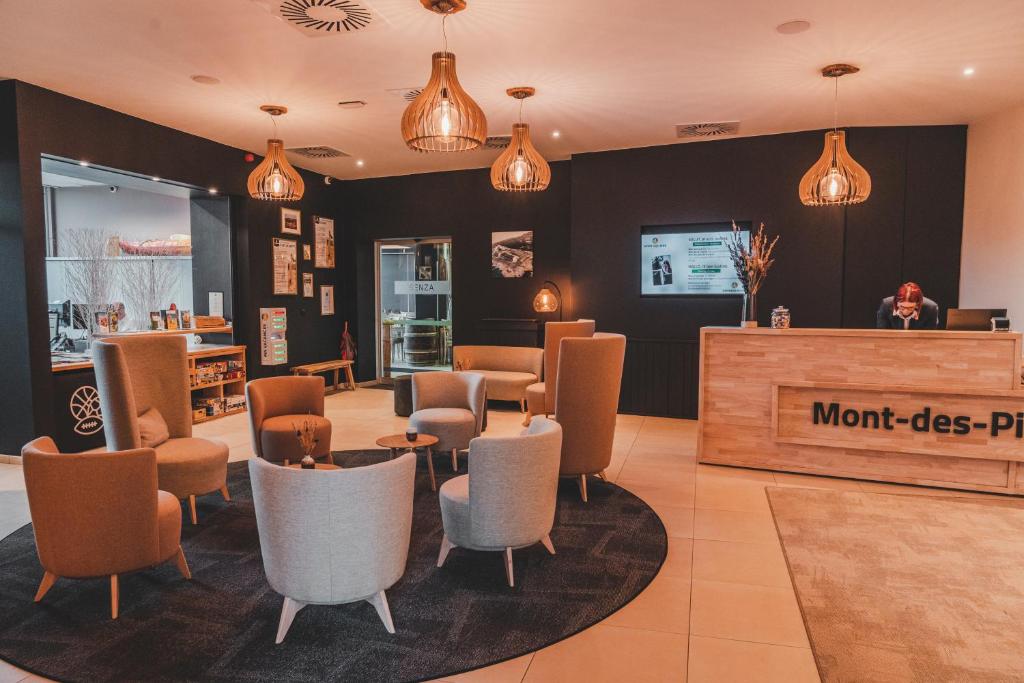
[{"x": 414, "y": 306}]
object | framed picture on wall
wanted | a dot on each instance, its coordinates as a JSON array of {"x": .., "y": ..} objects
[
  {"x": 286, "y": 266},
  {"x": 307, "y": 252},
  {"x": 291, "y": 221},
  {"x": 323, "y": 229},
  {"x": 512, "y": 253},
  {"x": 326, "y": 299},
  {"x": 307, "y": 285}
]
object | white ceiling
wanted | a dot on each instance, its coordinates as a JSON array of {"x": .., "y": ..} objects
[{"x": 608, "y": 74}]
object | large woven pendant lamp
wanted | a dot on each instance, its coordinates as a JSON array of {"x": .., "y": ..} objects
[
  {"x": 520, "y": 168},
  {"x": 274, "y": 178},
  {"x": 836, "y": 179},
  {"x": 443, "y": 117}
]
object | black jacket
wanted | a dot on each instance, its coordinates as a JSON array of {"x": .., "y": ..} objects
[{"x": 928, "y": 319}]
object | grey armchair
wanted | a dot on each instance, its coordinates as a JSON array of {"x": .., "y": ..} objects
[
  {"x": 144, "y": 392},
  {"x": 507, "y": 500},
  {"x": 331, "y": 537},
  {"x": 450, "y": 406}
]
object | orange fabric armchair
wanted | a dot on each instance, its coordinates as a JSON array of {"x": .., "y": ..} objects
[
  {"x": 99, "y": 514},
  {"x": 277, "y": 408}
]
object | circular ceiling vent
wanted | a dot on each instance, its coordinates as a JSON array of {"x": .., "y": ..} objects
[{"x": 329, "y": 16}]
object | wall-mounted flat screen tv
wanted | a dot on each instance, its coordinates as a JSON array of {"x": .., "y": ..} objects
[{"x": 681, "y": 260}]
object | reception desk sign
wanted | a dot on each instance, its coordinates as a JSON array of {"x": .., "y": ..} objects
[{"x": 985, "y": 424}]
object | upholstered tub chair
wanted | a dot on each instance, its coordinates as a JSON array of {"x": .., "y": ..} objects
[
  {"x": 540, "y": 397},
  {"x": 508, "y": 369},
  {"x": 99, "y": 515},
  {"x": 507, "y": 500},
  {"x": 450, "y": 406},
  {"x": 143, "y": 384},
  {"x": 586, "y": 402},
  {"x": 331, "y": 537},
  {"x": 278, "y": 407}
]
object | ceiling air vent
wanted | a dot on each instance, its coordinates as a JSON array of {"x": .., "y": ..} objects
[
  {"x": 688, "y": 131},
  {"x": 407, "y": 94},
  {"x": 498, "y": 142},
  {"x": 317, "y": 152},
  {"x": 320, "y": 18}
]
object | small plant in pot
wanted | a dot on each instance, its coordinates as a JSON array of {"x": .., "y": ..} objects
[
  {"x": 751, "y": 263},
  {"x": 306, "y": 434}
]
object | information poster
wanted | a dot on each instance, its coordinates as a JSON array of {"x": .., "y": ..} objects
[
  {"x": 324, "y": 242},
  {"x": 286, "y": 266},
  {"x": 679, "y": 260},
  {"x": 326, "y": 299}
]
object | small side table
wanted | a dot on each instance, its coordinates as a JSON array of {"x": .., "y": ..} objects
[
  {"x": 318, "y": 466},
  {"x": 398, "y": 442}
]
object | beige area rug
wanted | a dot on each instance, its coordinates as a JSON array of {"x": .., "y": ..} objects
[{"x": 906, "y": 588}]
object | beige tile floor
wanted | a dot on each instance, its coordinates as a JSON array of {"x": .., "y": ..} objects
[{"x": 721, "y": 609}]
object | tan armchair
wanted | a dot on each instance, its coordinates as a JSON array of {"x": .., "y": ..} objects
[
  {"x": 99, "y": 514},
  {"x": 587, "y": 400},
  {"x": 277, "y": 408},
  {"x": 540, "y": 397},
  {"x": 142, "y": 382}
]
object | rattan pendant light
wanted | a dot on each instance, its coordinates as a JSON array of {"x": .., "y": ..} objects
[
  {"x": 274, "y": 178},
  {"x": 520, "y": 168},
  {"x": 836, "y": 179},
  {"x": 443, "y": 117}
]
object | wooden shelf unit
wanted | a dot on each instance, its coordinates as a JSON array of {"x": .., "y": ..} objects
[{"x": 219, "y": 388}]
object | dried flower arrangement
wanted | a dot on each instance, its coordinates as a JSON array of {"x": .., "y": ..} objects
[
  {"x": 306, "y": 434},
  {"x": 752, "y": 265}
]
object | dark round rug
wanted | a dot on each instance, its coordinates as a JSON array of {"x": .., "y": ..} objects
[{"x": 221, "y": 625}]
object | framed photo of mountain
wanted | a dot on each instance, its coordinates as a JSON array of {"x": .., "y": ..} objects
[{"x": 512, "y": 253}]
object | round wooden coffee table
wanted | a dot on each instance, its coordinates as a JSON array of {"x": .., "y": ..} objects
[
  {"x": 397, "y": 442},
  {"x": 319, "y": 466}
]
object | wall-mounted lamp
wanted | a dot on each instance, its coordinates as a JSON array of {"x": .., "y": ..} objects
[{"x": 548, "y": 301}]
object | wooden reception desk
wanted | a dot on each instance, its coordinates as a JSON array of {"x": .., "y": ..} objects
[{"x": 934, "y": 408}]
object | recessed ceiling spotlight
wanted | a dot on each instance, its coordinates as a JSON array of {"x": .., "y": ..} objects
[
  {"x": 212, "y": 190},
  {"x": 205, "y": 80},
  {"x": 83, "y": 162},
  {"x": 360, "y": 163},
  {"x": 790, "y": 27},
  {"x": 969, "y": 71},
  {"x": 352, "y": 104},
  {"x": 556, "y": 134}
]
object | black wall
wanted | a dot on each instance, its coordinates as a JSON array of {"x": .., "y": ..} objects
[
  {"x": 35, "y": 121},
  {"x": 461, "y": 205},
  {"x": 833, "y": 264}
]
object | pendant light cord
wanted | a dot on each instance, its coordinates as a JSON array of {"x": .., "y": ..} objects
[
  {"x": 444, "y": 34},
  {"x": 521, "y": 101},
  {"x": 835, "y": 108}
]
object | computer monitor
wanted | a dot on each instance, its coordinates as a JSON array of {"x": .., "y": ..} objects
[{"x": 972, "y": 318}]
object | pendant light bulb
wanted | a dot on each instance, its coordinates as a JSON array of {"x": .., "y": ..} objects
[
  {"x": 520, "y": 168},
  {"x": 275, "y": 179},
  {"x": 836, "y": 178},
  {"x": 443, "y": 117}
]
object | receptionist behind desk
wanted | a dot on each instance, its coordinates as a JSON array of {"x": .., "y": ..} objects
[{"x": 908, "y": 310}]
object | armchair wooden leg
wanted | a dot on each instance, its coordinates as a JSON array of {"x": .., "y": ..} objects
[
  {"x": 192, "y": 509},
  {"x": 522, "y": 405},
  {"x": 182, "y": 564},
  {"x": 455, "y": 460},
  {"x": 526, "y": 420},
  {"x": 224, "y": 492},
  {"x": 508, "y": 568},
  {"x": 380, "y": 603},
  {"x": 583, "y": 486},
  {"x": 446, "y": 546},
  {"x": 602, "y": 475},
  {"x": 113, "y": 596},
  {"x": 430, "y": 468},
  {"x": 49, "y": 578},
  {"x": 548, "y": 544},
  {"x": 288, "y": 612}
]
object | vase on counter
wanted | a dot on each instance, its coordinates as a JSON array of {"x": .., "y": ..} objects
[{"x": 749, "y": 310}]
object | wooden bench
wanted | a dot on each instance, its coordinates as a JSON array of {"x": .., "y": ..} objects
[{"x": 328, "y": 366}]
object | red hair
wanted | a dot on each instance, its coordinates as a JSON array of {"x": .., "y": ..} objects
[{"x": 909, "y": 291}]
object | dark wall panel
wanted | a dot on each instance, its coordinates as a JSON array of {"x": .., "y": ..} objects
[{"x": 461, "y": 205}]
